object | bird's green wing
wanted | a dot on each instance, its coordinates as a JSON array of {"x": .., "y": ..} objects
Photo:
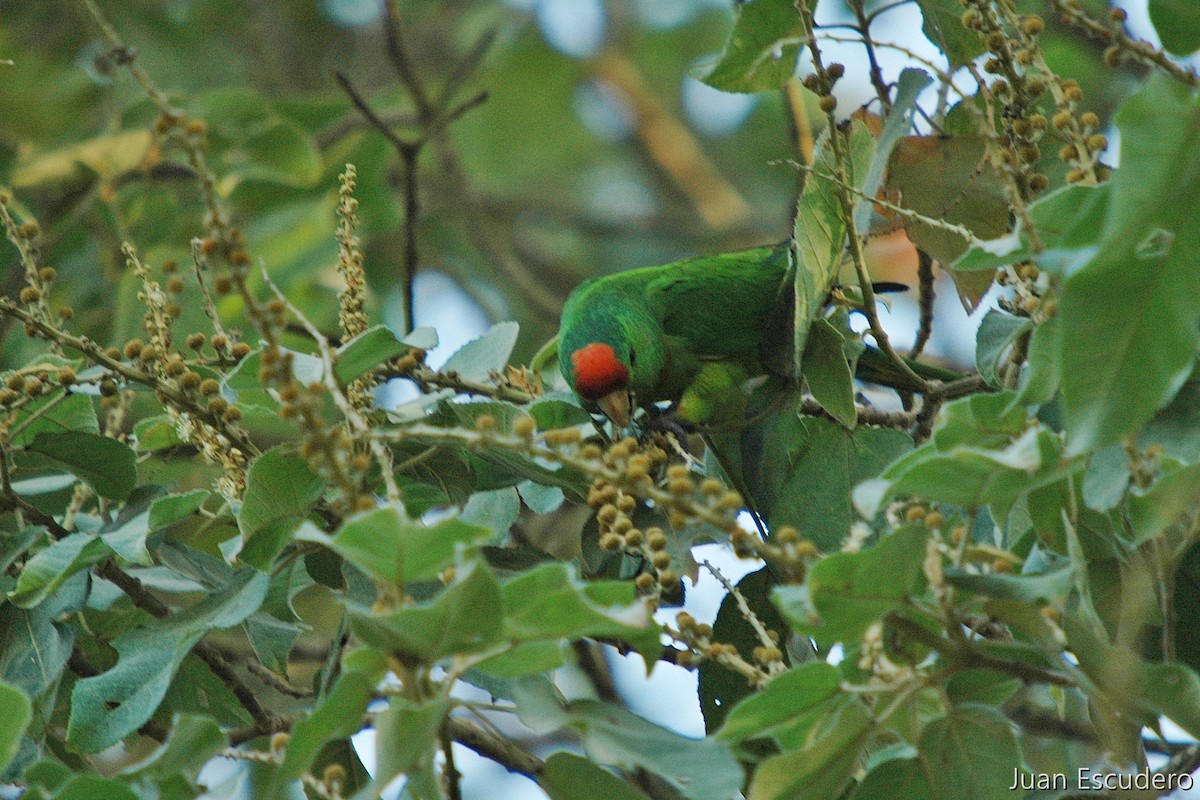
[{"x": 720, "y": 305}]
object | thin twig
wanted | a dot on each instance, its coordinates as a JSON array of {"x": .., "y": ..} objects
[
  {"x": 451, "y": 777},
  {"x": 764, "y": 635},
  {"x": 864, "y": 28},
  {"x": 493, "y": 747},
  {"x": 276, "y": 682},
  {"x": 403, "y": 65},
  {"x": 926, "y": 297},
  {"x": 354, "y": 418}
]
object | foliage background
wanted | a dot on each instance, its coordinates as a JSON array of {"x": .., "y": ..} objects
[{"x": 586, "y": 157}]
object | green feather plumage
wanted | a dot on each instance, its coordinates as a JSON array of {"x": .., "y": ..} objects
[
  {"x": 675, "y": 317},
  {"x": 670, "y": 324}
]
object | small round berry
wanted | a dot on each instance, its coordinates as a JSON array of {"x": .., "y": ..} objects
[
  {"x": 828, "y": 103},
  {"x": 611, "y": 543},
  {"x": 524, "y": 426},
  {"x": 656, "y": 539},
  {"x": 31, "y": 294}
]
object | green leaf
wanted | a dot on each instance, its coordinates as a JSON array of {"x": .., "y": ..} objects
[
  {"x": 477, "y": 359},
  {"x": 127, "y": 537},
  {"x": 944, "y": 28},
  {"x": 824, "y": 767},
  {"x": 193, "y": 741},
  {"x": 720, "y": 688},
  {"x": 570, "y": 777},
  {"x": 74, "y": 413},
  {"x": 1153, "y": 510},
  {"x": 423, "y": 338},
  {"x": 819, "y": 231},
  {"x": 18, "y": 713},
  {"x": 51, "y": 567},
  {"x": 812, "y": 466},
  {"x": 551, "y": 414},
  {"x": 407, "y": 736},
  {"x": 497, "y": 510},
  {"x": 784, "y": 700},
  {"x": 465, "y": 618},
  {"x": 94, "y": 787},
  {"x": 762, "y": 49},
  {"x": 1069, "y": 222},
  {"x": 111, "y": 705},
  {"x": 1041, "y": 377},
  {"x": 153, "y": 434},
  {"x": 370, "y": 349},
  {"x": 1125, "y": 353},
  {"x": 970, "y": 477},
  {"x": 996, "y": 334},
  {"x": 170, "y": 509},
  {"x": 547, "y": 602},
  {"x": 703, "y": 769},
  {"x": 541, "y": 499},
  {"x": 338, "y": 713},
  {"x": 1177, "y": 23},
  {"x": 109, "y": 466},
  {"x": 282, "y": 153},
  {"x": 982, "y": 420},
  {"x": 1187, "y": 606},
  {"x": 1173, "y": 691},
  {"x": 846, "y": 592},
  {"x": 828, "y": 372},
  {"x": 280, "y": 491},
  {"x": 972, "y": 740},
  {"x": 1048, "y": 586},
  {"x": 272, "y": 640},
  {"x": 33, "y": 648},
  {"x": 394, "y": 549},
  {"x": 896, "y": 777}
]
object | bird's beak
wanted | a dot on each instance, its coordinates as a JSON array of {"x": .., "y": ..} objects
[{"x": 616, "y": 406}]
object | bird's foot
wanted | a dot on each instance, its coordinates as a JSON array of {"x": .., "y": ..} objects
[{"x": 673, "y": 434}]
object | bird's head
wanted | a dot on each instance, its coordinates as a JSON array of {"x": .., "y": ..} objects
[
  {"x": 611, "y": 350},
  {"x": 601, "y": 372}
]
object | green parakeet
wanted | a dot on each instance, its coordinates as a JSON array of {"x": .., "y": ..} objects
[{"x": 695, "y": 332}]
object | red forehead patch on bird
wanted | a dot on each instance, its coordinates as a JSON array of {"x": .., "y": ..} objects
[{"x": 597, "y": 371}]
